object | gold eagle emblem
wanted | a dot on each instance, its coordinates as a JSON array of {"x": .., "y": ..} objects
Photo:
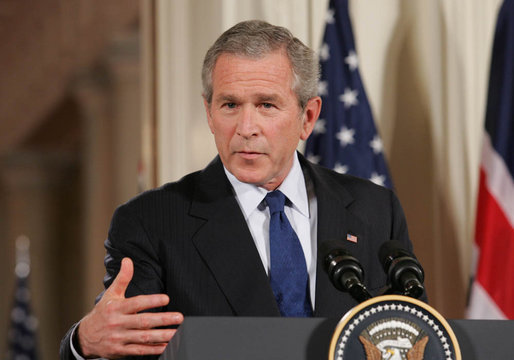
[{"x": 393, "y": 339}]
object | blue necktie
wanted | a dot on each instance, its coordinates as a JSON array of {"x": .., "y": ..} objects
[{"x": 288, "y": 272}]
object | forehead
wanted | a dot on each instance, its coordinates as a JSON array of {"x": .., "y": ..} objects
[{"x": 241, "y": 73}]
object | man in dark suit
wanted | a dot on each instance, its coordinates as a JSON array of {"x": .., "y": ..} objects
[{"x": 205, "y": 245}]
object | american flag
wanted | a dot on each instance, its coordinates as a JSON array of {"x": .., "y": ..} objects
[
  {"x": 351, "y": 237},
  {"x": 345, "y": 138},
  {"x": 22, "y": 332},
  {"x": 492, "y": 294}
]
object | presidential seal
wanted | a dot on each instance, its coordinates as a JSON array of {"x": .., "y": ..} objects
[{"x": 393, "y": 327}]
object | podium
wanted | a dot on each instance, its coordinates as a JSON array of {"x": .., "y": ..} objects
[{"x": 236, "y": 338}]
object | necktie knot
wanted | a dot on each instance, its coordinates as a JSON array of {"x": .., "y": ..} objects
[{"x": 275, "y": 200}]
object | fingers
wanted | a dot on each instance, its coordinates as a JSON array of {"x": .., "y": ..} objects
[
  {"x": 116, "y": 327},
  {"x": 144, "y": 302},
  {"x": 147, "y": 342},
  {"x": 136, "y": 304},
  {"x": 153, "y": 320},
  {"x": 149, "y": 337},
  {"x": 120, "y": 283},
  {"x": 106, "y": 335}
]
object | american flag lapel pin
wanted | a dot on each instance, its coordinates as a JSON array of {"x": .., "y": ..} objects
[{"x": 351, "y": 237}]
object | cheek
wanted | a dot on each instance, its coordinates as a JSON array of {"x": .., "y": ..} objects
[
  {"x": 289, "y": 132},
  {"x": 223, "y": 132}
]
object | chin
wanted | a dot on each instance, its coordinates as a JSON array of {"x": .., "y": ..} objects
[
  {"x": 245, "y": 175},
  {"x": 245, "y": 171},
  {"x": 249, "y": 179}
]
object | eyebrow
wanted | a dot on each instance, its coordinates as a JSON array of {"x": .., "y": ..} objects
[
  {"x": 226, "y": 98},
  {"x": 260, "y": 98},
  {"x": 267, "y": 98}
]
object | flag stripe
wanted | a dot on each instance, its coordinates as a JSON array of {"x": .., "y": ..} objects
[
  {"x": 499, "y": 181},
  {"x": 481, "y": 305},
  {"x": 495, "y": 237}
]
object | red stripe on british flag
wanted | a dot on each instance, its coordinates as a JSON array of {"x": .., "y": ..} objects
[{"x": 495, "y": 238}]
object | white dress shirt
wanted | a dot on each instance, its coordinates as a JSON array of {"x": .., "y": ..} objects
[{"x": 301, "y": 211}]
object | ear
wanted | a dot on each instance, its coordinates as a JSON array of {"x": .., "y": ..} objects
[
  {"x": 310, "y": 115},
  {"x": 208, "y": 113}
]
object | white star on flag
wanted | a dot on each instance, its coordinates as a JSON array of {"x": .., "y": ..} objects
[
  {"x": 346, "y": 136},
  {"x": 313, "y": 158},
  {"x": 349, "y": 97},
  {"x": 377, "y": 179},
  {"x": 329, "y": 16},
  {"x": 376, "y": 145},
  {"x": 352, "y": 60},
  {"x": 319, "y": 126},
  {"x": 345, "y": 140},
  {"x": 324, "y": 52},
  {"x": 341, "y": 169},
  {"x": 322, "y": 88}
]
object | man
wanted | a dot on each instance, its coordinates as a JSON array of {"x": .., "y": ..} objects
[{"x": 212, "y": 243}]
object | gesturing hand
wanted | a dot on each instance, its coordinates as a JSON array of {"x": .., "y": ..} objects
[{"x": 115, "y": 328}]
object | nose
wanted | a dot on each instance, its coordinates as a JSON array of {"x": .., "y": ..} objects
[{"x": 247, "y": 126}]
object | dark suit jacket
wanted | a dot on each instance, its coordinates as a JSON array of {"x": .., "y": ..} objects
[{"x": 189, "y": 239}]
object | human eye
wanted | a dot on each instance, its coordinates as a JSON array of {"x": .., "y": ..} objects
[
  {"x": 229, "y": 105},
  {"x": 267, "y": 105}
]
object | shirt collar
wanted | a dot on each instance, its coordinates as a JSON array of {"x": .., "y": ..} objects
[{"x": 249, "y": 196}]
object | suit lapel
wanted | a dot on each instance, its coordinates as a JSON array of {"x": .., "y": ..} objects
[
  {"x": 226, "y": 245},
  {"x": 335, "y": 221}
]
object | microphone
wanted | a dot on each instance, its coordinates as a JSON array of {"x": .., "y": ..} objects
[
  {"x": 344, "y": 271},
  {"x": 404, "y": 272}
]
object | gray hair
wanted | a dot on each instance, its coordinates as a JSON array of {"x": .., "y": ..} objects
[{"x": 255, "y": 39}]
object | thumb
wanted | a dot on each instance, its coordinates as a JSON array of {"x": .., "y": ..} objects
[{"x": 120, "y": 283}]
